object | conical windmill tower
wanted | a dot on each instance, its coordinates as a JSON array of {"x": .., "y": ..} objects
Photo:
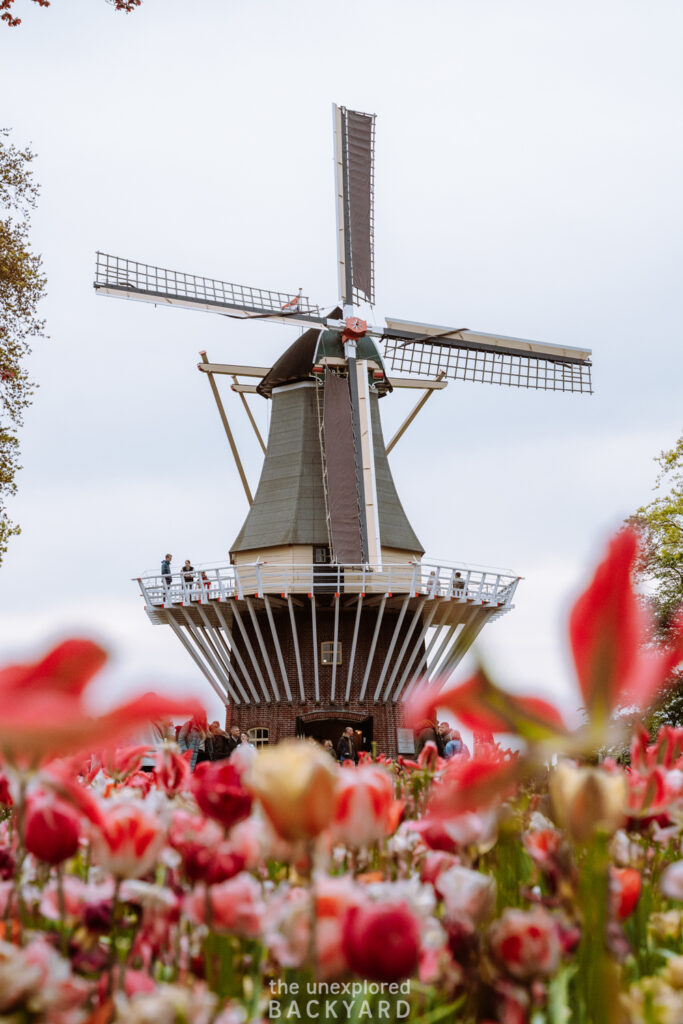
[{"x": 328, "y": 613}]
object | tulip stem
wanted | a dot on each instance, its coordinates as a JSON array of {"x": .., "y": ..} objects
[
  {"x": 113, "y": 951},
  {"x": 61, "y": 904},
  {"x": 597, "y": 999},
  {"x": 313, "y": 915}
]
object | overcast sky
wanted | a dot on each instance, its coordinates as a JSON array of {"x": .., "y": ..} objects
[{"x": 528, "y": 182}]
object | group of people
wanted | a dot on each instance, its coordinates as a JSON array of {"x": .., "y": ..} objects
[
  {"x": 448, "y": 741},
  {"x": 187, "y": 573},
  {"x": 346, "y": 747},
  {"x": 211, "y": 743}
]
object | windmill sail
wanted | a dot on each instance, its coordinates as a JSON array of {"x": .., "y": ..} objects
[
  {"x": 128, "y": 279},
  {"x": 461, "y": 354},
  {"x": 354, "y": 159}
]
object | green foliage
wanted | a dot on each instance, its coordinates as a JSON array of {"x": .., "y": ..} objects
[
  {"x": 660, "y": 569},
  {"x": 661, "y": 525},
  {"x": 22, "y": 285}
]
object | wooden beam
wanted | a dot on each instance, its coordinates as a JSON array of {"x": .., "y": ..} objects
[
  {"x": 248, "y": 412},
  {"x": 420, "y": 383},
  {"x": 228, "y": 431},
  {"x": 232, "y": 368},
  {"x": 411, "y": 416},
  {"x": 248, "y": 389}
]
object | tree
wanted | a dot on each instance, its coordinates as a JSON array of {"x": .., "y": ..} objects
[
  {"x": 660, "y": 568},
  {"x": 9, "y": 19},
  {"x": 22, "y": 285}
]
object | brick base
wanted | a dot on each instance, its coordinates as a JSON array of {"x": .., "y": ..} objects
[{"x": 328, "y": 714}]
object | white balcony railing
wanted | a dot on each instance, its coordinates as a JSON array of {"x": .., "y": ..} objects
[{"x": 429, "y": 579}]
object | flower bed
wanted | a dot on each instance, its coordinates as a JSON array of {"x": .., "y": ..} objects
[{"x": 541, "y": 885}]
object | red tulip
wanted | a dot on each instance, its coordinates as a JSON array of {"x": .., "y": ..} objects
[
  {"x": 625, "y": 885},
  {"x": 381, "y": 942},
  {"x": 172, "y": 770},
  {"x": 5, "y": 795},
  {"x": 43, "y": 709},
  {"x": 217, "y": 788},
  {"x": 608, "y": 629},
  {"x": 51, "y": 829}
]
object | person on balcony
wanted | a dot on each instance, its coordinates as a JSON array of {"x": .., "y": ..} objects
[
  {"x": 188, "y": 572},
  {"x": 166, "y": 570}
]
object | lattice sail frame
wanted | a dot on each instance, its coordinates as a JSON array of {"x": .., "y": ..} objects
[
  {"x": 460, "y": 361},
  {"x": 115, "y": 275}
]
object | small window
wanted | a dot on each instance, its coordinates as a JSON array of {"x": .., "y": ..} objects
[
  {"x": 328, "y": 654},
  {"x": 259, "y": 737}
]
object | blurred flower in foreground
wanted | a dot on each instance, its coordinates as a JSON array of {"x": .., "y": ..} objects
[
  {"x": 527, "y": 942},
  {"x": 43, "y": 711},
  {"x": 381, "y": 942},
  {"x": 586, "y": 800},
  {"x": 295, "y": 782},
  {"x": 609, "y": 631}
]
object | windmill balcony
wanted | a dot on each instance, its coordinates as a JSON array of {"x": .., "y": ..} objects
[{"x": 432, "y": 580}]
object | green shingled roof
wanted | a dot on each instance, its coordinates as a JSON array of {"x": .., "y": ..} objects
[{"x": 289, "y": 504}]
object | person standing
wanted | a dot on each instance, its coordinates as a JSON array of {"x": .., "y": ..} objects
[
  {"x": 346, "y": 748},
  {"x": 192, "y": 736},
  {"x": 428, "y": 734},
  {"x": 188, "y": 572},
  {"x": 234, "y": 739},
  {"x": 166, "y": 570},
  {"x": 455, "y": 746}
]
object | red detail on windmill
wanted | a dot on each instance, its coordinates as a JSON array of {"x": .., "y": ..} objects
[
  {"x": 354, "y": 328},
  {"x": 293, "y": 304}
]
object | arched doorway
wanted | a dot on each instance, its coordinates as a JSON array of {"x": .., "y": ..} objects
[{"x": 331, "y": 729}]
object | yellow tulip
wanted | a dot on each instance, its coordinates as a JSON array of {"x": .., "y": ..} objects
[
  {"x": 295, "y": 783},
  {"x": 587, "y": 800}
]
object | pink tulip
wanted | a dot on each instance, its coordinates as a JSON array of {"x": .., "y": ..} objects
[
  {"x": 671, "y": 882},
  {"x": 468, "y": 896},
  {"x": 235, "y": 906},
  {"x": 129, "y": 840},
  {"x": 527, "y": 942},
  {"x": 364, "y": 805}
]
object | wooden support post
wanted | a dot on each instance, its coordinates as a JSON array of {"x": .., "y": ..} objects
[
  {"x": 228, "y": 431},
  {"x": 411, "y": 416},
  {"x": 251, "y": 418}
]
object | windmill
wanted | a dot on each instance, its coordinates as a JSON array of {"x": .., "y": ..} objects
[{"x": 328, "y": 613}]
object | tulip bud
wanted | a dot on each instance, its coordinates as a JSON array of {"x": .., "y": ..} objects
[
  {"x": 51, "y": 830},
  {"x": 587, "y": 800},
  {"x": 217, "y": 788},
  {"x": 296, "y": 782}
]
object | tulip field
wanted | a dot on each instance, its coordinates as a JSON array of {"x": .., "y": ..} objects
[{"x": 537, "y": 881}]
